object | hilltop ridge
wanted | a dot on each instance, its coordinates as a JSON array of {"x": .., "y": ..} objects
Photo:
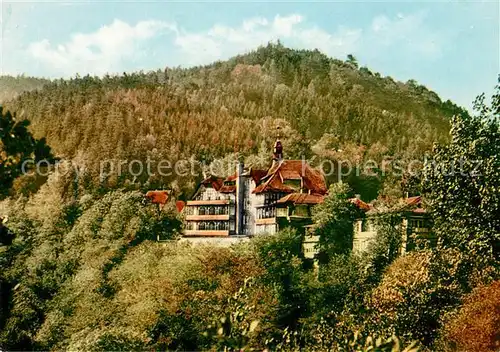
[{"x": 208, "y": 112}]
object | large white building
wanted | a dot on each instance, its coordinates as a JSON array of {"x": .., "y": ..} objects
[{"x": 253, "y": 202}]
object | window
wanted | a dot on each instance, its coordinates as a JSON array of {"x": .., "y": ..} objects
[
  {"x": 282, "y": 212},
  {"x": 272, "y": 197},
  {"x": 417, "y": 223},
  {"x": 301, "y": 210}
]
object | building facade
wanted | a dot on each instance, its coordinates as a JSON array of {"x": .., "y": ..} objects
[
  {"x": 212, "y": 209},
  {"x": 416, "y": 226},
  {"x": 253, "y": 201}
]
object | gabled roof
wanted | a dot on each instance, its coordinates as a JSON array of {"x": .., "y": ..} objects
[
  {"x": 227, "y": 189},
  {"x": 257, "y": 175},
  {"x": 360, "y": 204},
  {"x": 212, "y": 181},
  {"x": 215, "y": 182},
  {"x": 312, "y": 180},
  {"x": 273, "y": 184},
  {"x": 229, "y": 185},
  {"x": 157, "y": 197},
  {"x": 180, "y": 205},
  {"x": 413, "y": 200},
  {"x": 219, "y": 184},
  {"x": 233, "y": 177},
  {"x": 411, "y": 204},
  {"x": 301, "y": 198}
]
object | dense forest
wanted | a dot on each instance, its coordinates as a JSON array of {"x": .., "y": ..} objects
[
  {"x": 327, "y": 108},
  {"x": 80, "y": 267},
  {"x": 11, "y": 87}
]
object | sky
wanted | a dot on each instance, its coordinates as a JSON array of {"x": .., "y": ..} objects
[{"x": 451, "y": 47}]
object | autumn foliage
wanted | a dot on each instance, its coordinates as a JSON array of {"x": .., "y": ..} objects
[{"x": 476, "y": 325}]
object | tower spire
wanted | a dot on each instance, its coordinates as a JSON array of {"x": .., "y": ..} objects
[{"x": 278, "y": 147}]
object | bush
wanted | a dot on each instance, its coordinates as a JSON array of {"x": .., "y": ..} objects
[
  {"x": 280, "y": 256},
  {"x": 413, "y": 294},
  {"x": 475, "y": 327},
  {"x": 64, "y": 250},
  {"x": 341, "y": 285}
]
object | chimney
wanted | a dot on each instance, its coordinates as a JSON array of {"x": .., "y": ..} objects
[
  {"x": 358, "y": 196},
  {"x": 240, "y": 199}
]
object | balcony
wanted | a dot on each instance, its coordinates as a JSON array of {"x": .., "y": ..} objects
[
  {"x": 208, "y": 202},
  {"x": 223, "y": 217},
  {"x": 265, "y": 221},
  {"x": 266, "y": 211},
  {"x": 206, "y": 233}
]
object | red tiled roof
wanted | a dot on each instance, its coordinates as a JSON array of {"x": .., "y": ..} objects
[
  {"x": 360, "y": 204},
  {"x": 413, "y": 200},
  {"x": 301, "y": 198},
  {"x": 273, "y": 184},
  {"x": 157, "y": 197},
  {"x": 312, "y": 179},
  {"x": 180, "y": 205},
  {"x": 417, "y": 202},
  {"x": 404, "y": 204},
  {"x": 215, "y": 182},
  {"x": 231, "y": 178},
  {"x": 227, "y": 189},
  {"x": 228, "y": 185},
  {"x": 290, "y": 174},
  {"x": 257, "y": 175}
]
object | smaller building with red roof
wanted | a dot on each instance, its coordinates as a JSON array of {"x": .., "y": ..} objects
[{"x": 416, "y": 224}]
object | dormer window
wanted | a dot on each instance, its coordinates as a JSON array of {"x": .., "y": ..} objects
[{"x": 293, "y": 183}]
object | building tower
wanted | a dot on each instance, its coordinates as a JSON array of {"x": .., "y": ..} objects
[
  {"x": 278, "y": 150},
  {"x": 240, "y": 198},
  {"x": 278, "y": 147}
]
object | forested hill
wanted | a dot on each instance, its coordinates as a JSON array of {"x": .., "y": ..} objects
[
  {"x": 11, "y": 87},
  {"x": 233, "y": 106}
]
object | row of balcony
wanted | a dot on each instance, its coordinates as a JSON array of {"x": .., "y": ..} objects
[
  {"x": 207, "y": 217},
  {"x": 210, "y": 225},
  {"x": 209, "y": 202},
  {"x": 206, "y": 233},
  {"x": 209, "y": 210},
  {"x": 266, "y": 212}
]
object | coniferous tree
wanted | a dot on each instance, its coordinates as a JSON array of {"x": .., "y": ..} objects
[{"x": 18, "y": 149}]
